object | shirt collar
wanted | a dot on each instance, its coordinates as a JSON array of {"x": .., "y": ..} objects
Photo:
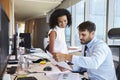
[{"x": 90, "y": 43}]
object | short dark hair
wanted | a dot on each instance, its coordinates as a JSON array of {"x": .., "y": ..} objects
[
  {"x": 90, "y": 26},
  {"x": 53, "y": 21}
]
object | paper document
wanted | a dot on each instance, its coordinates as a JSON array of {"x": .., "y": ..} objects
[
  {"x": 40, "y": 55},
  {"x": 61, "y": 64},
  {"x": 36, "y": 56},
  {"x": 32, "y": 58},
  {"x": 69, "y": 76},
  {"x": 36, "y": 50}
]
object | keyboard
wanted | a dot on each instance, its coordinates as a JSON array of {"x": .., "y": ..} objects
[{"x": 27, "y": 78}]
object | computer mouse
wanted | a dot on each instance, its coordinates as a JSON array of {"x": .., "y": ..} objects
[{"x": 47, "y": 68}]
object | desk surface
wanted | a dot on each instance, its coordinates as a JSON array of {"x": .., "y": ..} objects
[{"x": 55, "y": 74}]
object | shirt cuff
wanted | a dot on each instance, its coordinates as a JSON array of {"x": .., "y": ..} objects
[{"x": 74, "y": 61}]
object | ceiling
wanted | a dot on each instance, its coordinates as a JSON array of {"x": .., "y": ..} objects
[{"x": 27, "y": 9}]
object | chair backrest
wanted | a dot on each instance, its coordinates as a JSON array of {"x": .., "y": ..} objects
[
  {"x": 46, "y": 42},
  {"x": 114, "y": 33}
]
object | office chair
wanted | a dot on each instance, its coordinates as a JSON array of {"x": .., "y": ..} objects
[
  {"x": 114, "y": 33},
  {"x": 46, "y": 42}
]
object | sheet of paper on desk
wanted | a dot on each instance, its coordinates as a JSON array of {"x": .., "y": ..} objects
[
  {"x": 36, "y": 56},
  {"x": 69, "y": 76},
  {"x": 64, "y": 65},
  {"x": 30, "y": 57},
  {"x": 61, "y": 64},
  {"x": 40, "y": 55},
  {"x": 36, "y": 50}
]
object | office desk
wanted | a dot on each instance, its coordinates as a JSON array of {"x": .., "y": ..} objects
[
  {"x": 38, "y": 72},
  {"x": 55, "y": 74}
]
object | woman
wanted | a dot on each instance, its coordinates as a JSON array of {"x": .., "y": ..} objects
[{"x": 59, "y": 20}]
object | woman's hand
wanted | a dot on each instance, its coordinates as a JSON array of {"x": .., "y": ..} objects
[
  {"x": 59, "y": 56},
  {"x": 62, "y": 57}
]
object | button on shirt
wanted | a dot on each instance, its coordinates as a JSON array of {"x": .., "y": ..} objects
[{"x": 98, "y": 61}]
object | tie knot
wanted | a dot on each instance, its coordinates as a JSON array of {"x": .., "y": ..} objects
[{"x": 85, "y": 48}]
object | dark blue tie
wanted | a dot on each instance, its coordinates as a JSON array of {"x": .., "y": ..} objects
[{"x": 85, "y": 50}]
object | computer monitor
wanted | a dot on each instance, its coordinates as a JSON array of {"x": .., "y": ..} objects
[
  {"x": 25, "y": 40},
  {"x": 14, "y": 46},
  {"x": 4, "y": 41},
  {"x": 15, "y": 42}
]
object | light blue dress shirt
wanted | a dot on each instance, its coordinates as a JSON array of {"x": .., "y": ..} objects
[{"x": 98, "y": 61}]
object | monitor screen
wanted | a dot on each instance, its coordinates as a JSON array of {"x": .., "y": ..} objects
[
  {"x": 14, "y": 46},
  {"x": 25, "y": 40},
  {"x": 4, "y": 41}
]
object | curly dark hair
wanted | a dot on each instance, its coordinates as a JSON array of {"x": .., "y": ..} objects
[
  {"x": 53, "y": 21},
  {"x": 90, "y": 26}
]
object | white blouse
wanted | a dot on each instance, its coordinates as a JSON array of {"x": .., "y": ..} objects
[{"x": 60, "y": 43}]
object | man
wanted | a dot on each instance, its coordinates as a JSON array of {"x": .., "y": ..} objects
[{"x": 97, "y": 59}]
